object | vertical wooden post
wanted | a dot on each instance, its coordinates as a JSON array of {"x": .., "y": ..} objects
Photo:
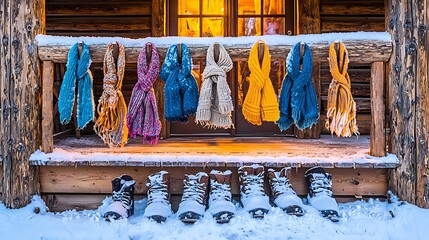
[
  {"x": 47, "y": 108},
  {"x": 158, "y": 13},
  {"x": 377, "y": 137},
  {"x": 25, "y": 20},
  {"x": 309, "y": 22}
]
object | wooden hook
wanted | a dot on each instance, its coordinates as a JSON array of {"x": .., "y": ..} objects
[
  {"x": 115, "y": 51},
  {"x": 216, "y": 51},
  {"x": 179, "y": 53},
  {"x": 260, "y": 51},
  {"x": 79, "y": 48},
  {"x": 148, "y": 52},
  {"x": 301, "y": 50}
]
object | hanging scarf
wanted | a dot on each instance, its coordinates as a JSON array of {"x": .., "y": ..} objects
[
  {"x": 341, "y": 109},
  {"x": 77, "y": 70},
  {"x": 111, "y": 123},
  {"x": 298, "y": 100},
  {"x": 181, "y": 90},
  {"x": 142, "y": 117},
  {"x": 260, "y": 103},
  {"x": 215, "y": 106}
]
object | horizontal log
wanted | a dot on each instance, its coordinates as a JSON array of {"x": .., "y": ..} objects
[
  {"x": 116, "y": 33},
  {"x": 361, "y": 75},
  {"x": 362, "y": 47},
  {"x": 352, "y": 7},
  {"x": 97, "y": 8},
  {"x": 358, "y": 89},
  {"x": 85, "y": 24},
  {"x": 84, "y": 180},
  {"x": 351, "y": 24}
]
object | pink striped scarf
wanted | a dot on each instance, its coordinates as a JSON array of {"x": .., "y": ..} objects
[{"x": 142, "y": 117}]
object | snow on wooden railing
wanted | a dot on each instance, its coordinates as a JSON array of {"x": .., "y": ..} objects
[{"x": 363, "y": 47}]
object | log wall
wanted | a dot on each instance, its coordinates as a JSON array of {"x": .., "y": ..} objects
[{"x": 351, "y": 16}]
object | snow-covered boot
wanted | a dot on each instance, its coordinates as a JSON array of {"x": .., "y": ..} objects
[
  {"x": 194, "y": 199},
  {"x": 252, "y": 192},
  {"x": 122, "y": 205},
  {"x": 320, "y": 193},
  {"x": 282, "y": 193},
  {"x": 220, "y": 205},
  {"x": 158, "y": 203}
]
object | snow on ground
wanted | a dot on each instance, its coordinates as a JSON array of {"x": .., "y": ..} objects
[{"x": 359, "y": 220}]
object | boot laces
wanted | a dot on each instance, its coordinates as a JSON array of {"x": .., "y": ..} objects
[
  {"x": 281, "y": 185},
  {"x": 193, "y": 191},
  {"x": 220, "y": 191},
  {"x": 321, "y": 185},
  {"x": 253, "y": 184},
  {"x": 122, "y": 196},
  {"x": 157, "y": 191}
]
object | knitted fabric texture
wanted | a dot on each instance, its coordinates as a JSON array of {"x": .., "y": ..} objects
[
  {"x": 180, "y": 90},
  {"x": 298, "y": 100},
  {"x": 215, "y": 102},
  {"x": 142, "y": 117},
  {"x": 260, "y": 103},
  {"x": 341, "y": 109},
  {"x": 111, "y": 123},
  {"x": 77, "y": 71}
]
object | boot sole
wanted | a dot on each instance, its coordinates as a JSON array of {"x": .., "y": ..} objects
[
  {"x": 158, "y": 219},
  {"x": 111, "y": 216},
  {"x": 189, "y": 217},
  {"x": 258, "y": 212},
  {"x": 294, "y": 210},
  {"x": 331, "y": 215},
  {"x": 223, "y": 217}
]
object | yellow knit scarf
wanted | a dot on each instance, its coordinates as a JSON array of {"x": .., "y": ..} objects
[
  {"x": 112, "y": 110},
  {"x": 260, "y": 103},
  {"x": 341, "y": 111}
]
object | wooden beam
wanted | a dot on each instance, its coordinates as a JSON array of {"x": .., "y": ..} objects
[
  {"x": 378, "y": 141},
  {"x": 360, "y": 50},
  {"x": 47, "y": 108},
  {"x": 26, "y": 20},
  {"x": 309, "y": 23}
]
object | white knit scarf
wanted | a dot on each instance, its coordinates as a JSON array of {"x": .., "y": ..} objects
[{"x": 215, "y": 102}]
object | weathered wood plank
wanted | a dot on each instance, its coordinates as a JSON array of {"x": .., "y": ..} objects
[
  {"x": 402, "y": 98},
  {"x": 47, "y": 108},
  {"x": 97, "y": 8},
  {"x": 24, "y": 86},
  {"x": 356, "y": 75},
  {"x": 1, "y": 180},
  {"x": 372, "y": 7},
  {"x": 89, "y": 24},
  {"x": 90, "y": 180},
  {"x": 309, "y": 23},
  {"x": 421, "y": 33},
  {"x": 124, "y": 34},
  {"x": 359, "y": 90},
  {"x": 378, "y": 141},
  {"x": 359, "y": 50},
  {"x": 351, "y": 24}
]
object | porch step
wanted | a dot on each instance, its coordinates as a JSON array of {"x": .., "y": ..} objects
[{"x": 328, "y": 152}]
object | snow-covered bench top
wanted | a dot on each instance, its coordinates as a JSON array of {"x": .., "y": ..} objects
[
  {"x": 330, "y": 152},
  {"x": 363, "y": 47}
]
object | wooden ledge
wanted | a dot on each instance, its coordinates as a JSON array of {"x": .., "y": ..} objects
[
  {"x": 363, "y": 47},
  {"x": 329, "y": 152}
]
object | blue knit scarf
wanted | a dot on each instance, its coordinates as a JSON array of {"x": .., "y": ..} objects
[
  {"x": 77, "y": 69},
  {"x": 298, "y": 101},
  {"x": 181, "y": 90}
]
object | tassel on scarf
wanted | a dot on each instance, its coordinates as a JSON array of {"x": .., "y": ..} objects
[
  {"x": 77, "y": 70},
  {"x": 260, "y": 103},
  {"x": 298, "y": 100},
  {"x": 111, "y": 124},
  {"x": 341, "y": 109},
  {"x": 142, "y": 117},
  {"x": 181, "y": 90},
  {"x": 215, "y": 102}
]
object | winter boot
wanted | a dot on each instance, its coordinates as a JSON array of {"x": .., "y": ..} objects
[
  {"x": 220, "y": 205},
  {"x": 194, "y": 199},
  {"x": 122, "y": 197},
  {"x": 282, "y": 193},
  {"x": 253, "y": 196},
  {"x": 320, "y": 193},
  {"x": 158, "y": 204}
]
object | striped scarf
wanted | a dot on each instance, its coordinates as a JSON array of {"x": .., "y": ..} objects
[
  {"x": 77, "y": 70},
  {"x": 181, "y": 90},
  {"x": 298, "y": 100},
  {"x": 341, "y": 109},
  {"x": 112, "y": 110},
  {"x": 215, "y": 103},
  {"x": 142, "y": 117},
  {"x": 260, "y": 103}
]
